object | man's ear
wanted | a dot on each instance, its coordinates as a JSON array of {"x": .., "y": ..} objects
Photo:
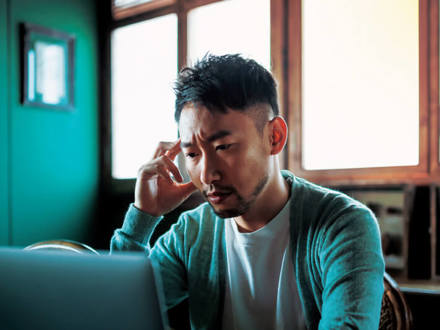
[{"x": 277, "y": 135}]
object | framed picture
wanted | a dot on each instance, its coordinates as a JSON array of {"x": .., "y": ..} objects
[{"x": 47, "y": 67}]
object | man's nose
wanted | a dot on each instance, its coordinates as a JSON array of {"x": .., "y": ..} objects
[{"x": 210, "y": 171}]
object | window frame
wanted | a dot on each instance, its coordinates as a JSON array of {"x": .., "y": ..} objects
[
  {"x": 138, "y": 13},
  {"x": 286, "y": 67},
  {"x": 125, "y": 12},
  {"x": 427, "y": 170}
]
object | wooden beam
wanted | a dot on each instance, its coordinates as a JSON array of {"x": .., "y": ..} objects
[{"x": 121, "y": 12}]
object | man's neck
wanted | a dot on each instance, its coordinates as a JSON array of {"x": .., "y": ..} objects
[{"x": 270, "y": 202}]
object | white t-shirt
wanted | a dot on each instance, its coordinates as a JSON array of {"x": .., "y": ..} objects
[{"x": 261, "y": 290}]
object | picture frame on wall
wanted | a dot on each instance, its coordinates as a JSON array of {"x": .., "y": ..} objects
[{"x": 47, "y": 67}]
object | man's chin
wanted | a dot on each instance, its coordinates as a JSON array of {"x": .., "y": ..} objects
[{"x": 227, "y": 213}]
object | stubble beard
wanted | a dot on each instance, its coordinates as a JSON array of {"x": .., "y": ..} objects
[{"x": 243, "y": 204}]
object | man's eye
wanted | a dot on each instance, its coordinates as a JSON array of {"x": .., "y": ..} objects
[
  {"x": 191, "y": 154},
  {"x": 223, "y": 147}
]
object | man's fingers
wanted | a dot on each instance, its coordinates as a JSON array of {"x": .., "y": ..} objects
[
  {"x": 184, "y": 190},
  {"x": 162, "y": 148},
  {"x": 174, "y": 151},
  {"x": 164, "y": 173},
  {"x": 163, "y": 166},
  {"x": 172, "y": 168}
]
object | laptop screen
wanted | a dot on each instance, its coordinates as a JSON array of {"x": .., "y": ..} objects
[{"x": 53, "y": 290}]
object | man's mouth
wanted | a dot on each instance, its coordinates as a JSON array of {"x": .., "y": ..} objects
[{"x": 217, "y": 197}]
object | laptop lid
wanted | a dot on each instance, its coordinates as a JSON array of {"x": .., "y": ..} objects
[{"x": 53, "y": 290}]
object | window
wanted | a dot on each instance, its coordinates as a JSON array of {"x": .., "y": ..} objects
[
  {"x": 150, "y": 44},
  {"x": 359, "y": 75},
  {"x": 245, "y": 34},
  {"x": 374, "y": 66},
  {"x": 143, "y": 68},
  {"x": 364, "y": 91}
]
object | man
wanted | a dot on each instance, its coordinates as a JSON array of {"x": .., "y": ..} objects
[{"x": 268, "y": 249}]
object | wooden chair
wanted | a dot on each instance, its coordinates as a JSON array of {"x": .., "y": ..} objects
[
  {"x": 395, "y": 313},
  {"x": 62, "y": 245}
]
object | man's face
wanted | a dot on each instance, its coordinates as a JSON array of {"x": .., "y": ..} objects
[{"x": 227, "y": 158}]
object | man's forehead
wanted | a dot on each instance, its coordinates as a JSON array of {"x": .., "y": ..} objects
[
  {"x": 199, "y": 118},
  {"x": 199, "y": 121},
  {"x": 209, "y": 138},
  {"x": 205, "y": 124}
]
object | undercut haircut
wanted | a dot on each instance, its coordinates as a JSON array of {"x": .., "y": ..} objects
[{"x": 226, "y": 82}]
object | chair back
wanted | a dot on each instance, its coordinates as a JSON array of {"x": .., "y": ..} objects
[
  {"x": 395, "y": 313},
  {"x": 62, "y": 245}
]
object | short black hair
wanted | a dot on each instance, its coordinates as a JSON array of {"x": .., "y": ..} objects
[{"x": 227, "y": 81}]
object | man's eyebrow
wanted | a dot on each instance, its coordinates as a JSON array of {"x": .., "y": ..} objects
[
  {"x": 218, "y": 135},
  {"x": 185, "y": 144},
  {"x": 211, "y": 138}
]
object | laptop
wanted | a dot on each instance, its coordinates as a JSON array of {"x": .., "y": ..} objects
[{"x": 54, "y": 290}]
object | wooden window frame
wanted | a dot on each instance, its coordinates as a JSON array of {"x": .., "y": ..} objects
[
  {"x": 428, "y": 170},
  {"x": 126, "y": 16},
  {"x": 286, "y": 67},
  {"x": 125, "y": 12}
]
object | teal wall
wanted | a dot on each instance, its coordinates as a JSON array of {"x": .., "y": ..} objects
[
  {"x": 4, "y": 200},
  {"x": 50, "y": 157}
]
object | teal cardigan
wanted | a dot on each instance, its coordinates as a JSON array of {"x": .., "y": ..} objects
[{"x": 336, "y": 253}]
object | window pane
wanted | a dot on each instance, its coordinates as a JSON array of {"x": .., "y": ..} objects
[
  {"x": 360, "y": 83},
  {"x": 239, "y": 26},
  {"x": 144, "y": 68}
]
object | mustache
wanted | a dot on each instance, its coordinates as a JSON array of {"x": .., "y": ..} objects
[{"x": 222, "y": 189}]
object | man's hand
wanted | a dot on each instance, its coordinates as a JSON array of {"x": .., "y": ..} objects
[{"x": 156, "y": 192}]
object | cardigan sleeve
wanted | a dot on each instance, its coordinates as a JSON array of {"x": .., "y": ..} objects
[
  {"x": 352, "y": 270},
  {"x": 167, "y": 252},
  {"x": 135, "y": 233}
]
